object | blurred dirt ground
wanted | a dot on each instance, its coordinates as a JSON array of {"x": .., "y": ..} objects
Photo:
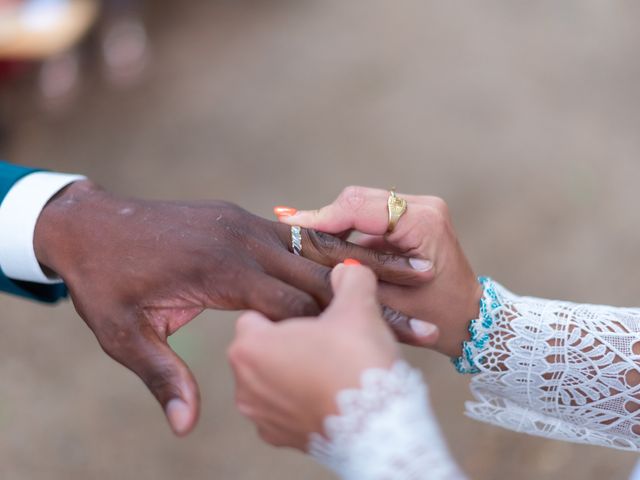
[{"x": 523, "y": 115}]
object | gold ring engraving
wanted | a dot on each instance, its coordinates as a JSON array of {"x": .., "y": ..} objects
[{"x": 397, "y": 207}]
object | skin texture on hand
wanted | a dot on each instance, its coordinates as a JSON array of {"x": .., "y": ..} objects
[
  {"x": 288, "y": 374},
  {"x": 138, "y": 270},
  {"x": 450, "y": 298}
]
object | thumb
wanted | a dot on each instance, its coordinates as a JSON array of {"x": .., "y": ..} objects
[
  {"x": 355, "y": 290},
  {"x": 164, "y": 372},
  {"x": 355, "y": 298}
]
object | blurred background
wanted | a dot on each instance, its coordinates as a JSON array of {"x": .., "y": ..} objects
[{"x": 524, "y": 116}]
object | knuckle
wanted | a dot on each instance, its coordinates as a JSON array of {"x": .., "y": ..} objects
[
  {"x": 439, "y": 204},
  {"x": 432, "y": 223},
  {"x": 231, "y": 209},
  {"x": 431, "y": 216},
  {"x": 232, "y": 222},
  {"x": 382, "y": 258},
  {"x": 396, "y": 320},
  {"x": 227, "y": 214},
  {"x": 352, "y": 198},
  {"x": 399, "y": 324},
  {"x": 437, "y": 212}
]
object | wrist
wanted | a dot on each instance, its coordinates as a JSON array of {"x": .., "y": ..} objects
[
  {"x": 455, "y": 328},
  {"x": 56, "y": 233}
]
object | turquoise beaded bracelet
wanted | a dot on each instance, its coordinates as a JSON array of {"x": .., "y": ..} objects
[{"x": 480, "y": 329}]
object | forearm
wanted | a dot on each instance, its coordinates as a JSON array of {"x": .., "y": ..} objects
[{"x": 559, "y": 369}]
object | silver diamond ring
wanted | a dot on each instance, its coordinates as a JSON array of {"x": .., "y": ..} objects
[{"x": 296, "y": 240}]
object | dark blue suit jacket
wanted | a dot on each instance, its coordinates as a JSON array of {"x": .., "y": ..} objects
[{"x": 9, "y": 175}]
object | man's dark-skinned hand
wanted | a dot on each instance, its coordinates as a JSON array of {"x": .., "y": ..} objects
[{"x": 138, "y": 270}]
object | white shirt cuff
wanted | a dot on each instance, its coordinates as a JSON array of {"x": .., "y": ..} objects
[{"x": 19, "y": 213}]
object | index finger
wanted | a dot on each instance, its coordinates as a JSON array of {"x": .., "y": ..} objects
[{"x": 360, "y": 208}]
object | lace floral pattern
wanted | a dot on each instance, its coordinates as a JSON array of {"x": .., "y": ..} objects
[
  {"x": 385, "y": 431},
  {"x": 561, "y": 370}
]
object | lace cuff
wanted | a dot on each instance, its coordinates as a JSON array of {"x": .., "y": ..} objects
[
  {"x": 479, "y": 329},
  {"x": 385, "y": 430},
  {"x": 559, "y": 370}
]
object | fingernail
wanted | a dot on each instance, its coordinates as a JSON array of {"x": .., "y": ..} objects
[
  {"x": 179, "y": 415},
  {"x": 351, "y": 262},
  {"x": 422, "y": 328},
  {"x": 282, "y": 211},
  {"x": 420, "y": 264}
]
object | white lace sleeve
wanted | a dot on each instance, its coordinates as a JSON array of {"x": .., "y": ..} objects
[
  {"x": 385, "y": 431},
  {"x": 557, "y": 369}
]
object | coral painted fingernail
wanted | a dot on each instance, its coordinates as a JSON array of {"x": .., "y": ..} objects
[
  {"x": 351, "y": 262},
  {"x": 282, "y": 211}
]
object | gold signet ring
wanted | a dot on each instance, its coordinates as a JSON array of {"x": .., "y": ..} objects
[{"x": 397, "y": 206}]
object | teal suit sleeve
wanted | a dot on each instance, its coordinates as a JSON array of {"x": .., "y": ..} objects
[{"x": 9, "y": 175}]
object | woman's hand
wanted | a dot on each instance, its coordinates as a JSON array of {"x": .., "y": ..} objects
[
  {"x": 450, "y": 299},
  {"x": 288, "y": 374}
]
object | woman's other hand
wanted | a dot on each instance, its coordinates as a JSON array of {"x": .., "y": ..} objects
[{"x": 288, "y": 373}]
